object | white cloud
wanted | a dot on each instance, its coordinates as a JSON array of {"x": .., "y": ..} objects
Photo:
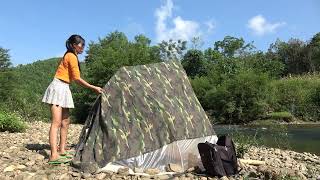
[
  {"x": 182, "y": 29},
  {"x": 210, "y": 26},
  {"x": 162, "y": 13},
  {"x": 260, "y": 26}
]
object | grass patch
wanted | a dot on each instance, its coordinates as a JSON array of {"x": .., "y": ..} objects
[
  {"x": 282, "y": 116},
  {"x": 11, "y": 122}
]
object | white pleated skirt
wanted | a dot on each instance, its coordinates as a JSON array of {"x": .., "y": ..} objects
[{"x": 58, "y": 93}]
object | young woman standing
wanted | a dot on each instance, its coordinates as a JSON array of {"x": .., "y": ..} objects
[{"x": 58, "y": 95}]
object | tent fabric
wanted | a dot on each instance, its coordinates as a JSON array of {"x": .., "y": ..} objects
[
  {"x": 183, "y": 153},
  {"x": 145, "y": 108}
]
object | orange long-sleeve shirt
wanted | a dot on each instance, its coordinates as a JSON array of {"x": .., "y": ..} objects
[{"x": 68, "y": 69}]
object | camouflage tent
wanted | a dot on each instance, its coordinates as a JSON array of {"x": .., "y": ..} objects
[{"x": 148, "y": 117}]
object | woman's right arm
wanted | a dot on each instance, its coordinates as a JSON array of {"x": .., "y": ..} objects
[
  {"x": 84, "y": 83},
  {"x": 75, "y": 73}
]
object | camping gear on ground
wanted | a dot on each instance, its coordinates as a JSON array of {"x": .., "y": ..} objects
[
  {"x": 149, "y": 117},
  {"x": 219, "y": 159}
]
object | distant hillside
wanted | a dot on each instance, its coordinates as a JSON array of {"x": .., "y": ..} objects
[{"x": 29, "y": 83}]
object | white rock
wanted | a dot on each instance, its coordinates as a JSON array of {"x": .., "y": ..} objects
[
  {"x": 20, "y": 167},
  {"x": 30, "y": 163},
  {"x": 86, "y": 175},
  {"x": 163, "y": 177},
  {"x": 75, "y": 174},
  {"x": 100, "y": 176},
  {"x": 224, "y": 178},
  {"x": 302, "y": 176},
  {"x": 9, "y": 168},
  {"x": 137, "y": 170},
  {"x": 64, "y": 177},
  {"x": 152, "y": 171},
  {"x": 25, "y": 176},
  {"x": 174, "y": 168}
]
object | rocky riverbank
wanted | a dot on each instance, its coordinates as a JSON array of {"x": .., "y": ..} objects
[{"x": 24, "y": 156}]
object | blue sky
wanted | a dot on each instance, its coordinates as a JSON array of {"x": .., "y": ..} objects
[{"x": 35, "y": 29}]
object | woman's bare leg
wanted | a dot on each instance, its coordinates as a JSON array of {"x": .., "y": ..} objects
[
  {"x": 64, "y": 130},
  {"x": 56, "y": 113}
]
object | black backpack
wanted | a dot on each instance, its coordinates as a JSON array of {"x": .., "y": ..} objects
[{"x": 219, "y": 159}]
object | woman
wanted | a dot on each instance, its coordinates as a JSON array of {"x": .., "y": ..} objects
[{"x": 58, "y": 95}]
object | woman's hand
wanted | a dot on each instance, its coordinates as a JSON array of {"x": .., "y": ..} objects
[
  {"x": 98, "y": 90},
  {"x": 84, "y": 83}
]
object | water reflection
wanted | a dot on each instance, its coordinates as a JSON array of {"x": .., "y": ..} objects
[{"x": 300, "y": 138}]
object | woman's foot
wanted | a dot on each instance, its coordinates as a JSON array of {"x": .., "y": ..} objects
[
  {"x": 66, "y": 152},
  {"x": 58, "y": 155},
  {"x": 61, "y": 152},
  {"x": 59, "y": 160},
  {"x": 54, "y": 156}
]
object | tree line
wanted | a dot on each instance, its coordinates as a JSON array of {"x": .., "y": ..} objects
[{"x": 235, "y": 82}]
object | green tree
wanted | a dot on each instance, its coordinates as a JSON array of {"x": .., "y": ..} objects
[
  {"x": 171, "y": 50},
  {"x": 142, "y": 40},
  {"x": 232, "y": 46},
  {"x": 314, "y": 52},
  {"x": 7, "y": 79},
  {"x": 201, "y": 86},
  {"x": 196, "y": 42},
  {"x": 6, "y": 76},
  {"x": 212, "y": 55},
  {"x": 261, "y": 62},
  {"x": 226, "y": 58},
  {"x": 4, "y": 59},
  {"x": 194, "y": 63},
  {"x": 240, "y": 99},
  {"x": 114, "y": 51},
  {"x": 293, "y": 54}
]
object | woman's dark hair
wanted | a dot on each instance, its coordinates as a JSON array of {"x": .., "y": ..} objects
[{"x": 74, "y": 39}]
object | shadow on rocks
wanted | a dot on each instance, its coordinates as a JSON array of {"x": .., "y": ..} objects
[
  {"x": 44, "y": 149},
  {"x": 37, "y": 147}
]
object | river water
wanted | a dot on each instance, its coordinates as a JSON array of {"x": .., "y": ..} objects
[{"x": 300, "y": 138}]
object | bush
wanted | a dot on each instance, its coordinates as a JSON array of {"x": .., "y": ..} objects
[
  {"x": 240, "y": 99},
  {"x": 283, "y": 116},
  {"x": 201, "y": 85},
  {"x": 11, "y": 122},
  {"x": 23, "y": 90},
  {"x": 299, "y": 96},
  {"x": 243, "y": 142}
]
